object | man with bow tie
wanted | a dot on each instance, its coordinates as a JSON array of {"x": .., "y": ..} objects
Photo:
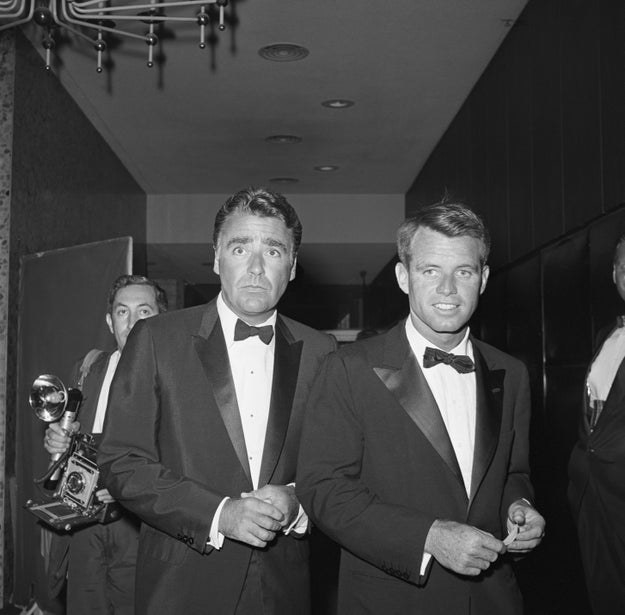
[
  {"x": 414, "y": 454},
  {"x": 204, "y": 425},
  {"x": 596, "y": 490}
]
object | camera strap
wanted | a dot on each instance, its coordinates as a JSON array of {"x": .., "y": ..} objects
[{"x": 87, "y": 362}]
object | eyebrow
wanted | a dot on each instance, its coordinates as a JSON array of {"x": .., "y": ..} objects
[{"x": 246, "y": 239}]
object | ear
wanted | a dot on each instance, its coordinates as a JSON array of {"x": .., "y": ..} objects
[
  {"x": 216, "y": 261},
  {"x": 109, "y": 322},
  {"x": 485, "y": 274},
  {"x": 614, "y": 273},
  {"x": 401, "y": 273},
  {"x": 293, "y": 268}
]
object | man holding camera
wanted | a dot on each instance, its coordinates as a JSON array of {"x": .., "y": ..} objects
[
  {"x": 201, "y": 441},
  {"x": 99, "y": 560}
]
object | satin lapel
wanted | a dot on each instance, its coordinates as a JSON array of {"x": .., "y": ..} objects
[
  {"x": 213, "y": 355},
  {"x": 615, "y": 396},
  {"x": 285, "y": 372},
  {"x": 409, "y": 386},
  {"x": 489, "y": 407}
]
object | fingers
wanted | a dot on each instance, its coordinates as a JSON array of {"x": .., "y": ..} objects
[{"x": 250, "y": 520}]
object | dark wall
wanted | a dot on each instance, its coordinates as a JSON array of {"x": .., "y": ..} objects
[
  {"x": 68, "y": 188},
  {"x": 539, "y": 145}
]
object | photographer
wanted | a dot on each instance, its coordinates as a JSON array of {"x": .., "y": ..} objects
[{"x": 98, "y": 561}]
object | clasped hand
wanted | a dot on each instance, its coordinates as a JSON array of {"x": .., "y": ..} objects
[
  {"x": 259, "y": 515},
  {"x": 468, "y": 550}
]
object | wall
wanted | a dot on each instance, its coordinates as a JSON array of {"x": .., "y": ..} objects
[{"x": 68, "y": 188}]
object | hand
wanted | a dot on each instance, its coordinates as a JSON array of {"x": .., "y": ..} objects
[
  {"x": 250, "y": 520},
  {"x": 462, "y": 548},
  {"x": 531, "y": 526},
  {"x": 57, "y": 439},
  {"x": 282, "y": 497},
  {"x": 104, "y": 496}
]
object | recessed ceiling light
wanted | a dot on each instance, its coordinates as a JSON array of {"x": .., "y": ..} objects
[
  {"x": 283, "y": 52},
  {"x": 283, "y": 180},
  {"x": 283, "y": 139},
  {"x": 338, "y": 103},
  {"x": 326, "y": 168}
]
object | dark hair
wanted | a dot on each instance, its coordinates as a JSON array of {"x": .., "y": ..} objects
[
  {"x": 619, "y": 243},
  {"x": 129, "y": 280},
  {"x": 260, "y": 202},
  {"x": 449, "y": 219}
]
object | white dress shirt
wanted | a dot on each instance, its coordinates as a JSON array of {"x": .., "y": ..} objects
[
  {"x": 103, "y": 398},
  {"x": 605, "y": 366},
  {"x": 455, "y": 395},
  {"x": 251, "y": 365}
]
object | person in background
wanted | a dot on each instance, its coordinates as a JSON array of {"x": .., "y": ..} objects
[
  {"x": 203, "y": 435},
  {"x": 98, "y": 561},
  {"x": 414, "y": 454},
  {"x": 596, "y": 490}
]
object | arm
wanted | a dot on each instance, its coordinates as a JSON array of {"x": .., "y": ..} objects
[{"x": 330, "y": 487}]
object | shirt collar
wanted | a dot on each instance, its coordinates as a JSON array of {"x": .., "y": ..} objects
[
  {"x": 228, "y": 321},
  {"x": 418, "y": 343}
]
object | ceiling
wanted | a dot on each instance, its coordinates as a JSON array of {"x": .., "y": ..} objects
[{"x": 197, "y": 124}]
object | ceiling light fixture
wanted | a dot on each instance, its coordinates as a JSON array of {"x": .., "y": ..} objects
[
  {"x": 283, "y": 52},
  {"x": 283, "y": 180},
  {"x": 326, "y": 168},
  {"x": 94, "y": 20},
  {"x": 283, "y": 139},
  {"x": 338, "y": 103}
]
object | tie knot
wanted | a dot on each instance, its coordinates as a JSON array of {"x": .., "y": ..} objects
[
  {"x": 460, "y": 362},
  {"x": 242, "y": 331}
]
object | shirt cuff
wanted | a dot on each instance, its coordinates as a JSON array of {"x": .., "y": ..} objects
[
  {"x": 300, "y": 525},
  {"x": 425, "y": 560},
  {"x": 216, "y": 538}
]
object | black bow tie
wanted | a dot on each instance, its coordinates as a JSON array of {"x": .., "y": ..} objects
[
  {"x": 460, "y": 362},
  {"x": 242, "y": 331}
]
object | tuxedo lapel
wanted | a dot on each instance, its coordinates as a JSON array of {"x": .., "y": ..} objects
[
  {"x": 403, "y": 377},
  {"x": 489, "y": 407},
  {"x": 615, "y": 396},
  {"x": 210, "y": 346},
  {"x": 285, "y": 373}
]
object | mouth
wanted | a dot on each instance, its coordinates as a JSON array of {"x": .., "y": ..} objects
[{"x": 446, "y": 307}]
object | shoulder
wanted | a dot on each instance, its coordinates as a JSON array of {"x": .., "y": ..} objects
[
  {"x": 497, "y": 359},
  {"x": 307, "y": 334},
  {"x": 188, "y": 318}
]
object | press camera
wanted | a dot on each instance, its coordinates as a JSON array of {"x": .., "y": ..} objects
[{"x": 74, "y": 474}]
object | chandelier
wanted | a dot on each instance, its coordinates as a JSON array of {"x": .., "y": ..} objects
[{"x": 94, "y": 20}]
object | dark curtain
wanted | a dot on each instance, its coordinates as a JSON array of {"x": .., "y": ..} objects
[{"x": 62, "y": 305}]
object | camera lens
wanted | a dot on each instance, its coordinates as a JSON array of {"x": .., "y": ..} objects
[{"x": 75, "y": 483}]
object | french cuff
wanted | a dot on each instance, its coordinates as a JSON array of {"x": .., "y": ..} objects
[
  {"x": 216, "y": 538},
  {"x": 425, "y": 560}
]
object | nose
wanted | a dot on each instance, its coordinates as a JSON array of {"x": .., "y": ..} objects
[
  {"x": 256, "y": 265},
  {"x": 447, "y": 285},
  {"x": 134, "y": 316}
]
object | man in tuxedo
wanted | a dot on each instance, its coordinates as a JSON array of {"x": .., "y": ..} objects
[
  {"x": 98, "y": 560},
  {"x": 414, "y": 454},
  {"x": 597, "y": 464},
  {"x": 204, "y": 426}
]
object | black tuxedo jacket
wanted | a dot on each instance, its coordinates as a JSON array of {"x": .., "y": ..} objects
[
  {"x": 597, "y": 494},
  {"x": 377, "y": 468},
  {"x": 173, "y": 448}
]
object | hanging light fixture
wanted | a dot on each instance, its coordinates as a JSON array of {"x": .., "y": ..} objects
[{"x": 93, "y": 20}]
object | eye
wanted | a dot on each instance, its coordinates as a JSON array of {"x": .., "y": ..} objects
[
  {"x": 274, "y": 252},
  {"x": 238, "y": 251},
  {"x": 430, "y": 273},
  {"x": 121, "y": 311},
  {"x": 464, "y": 273},
  {"x": 145, "y": 312}
]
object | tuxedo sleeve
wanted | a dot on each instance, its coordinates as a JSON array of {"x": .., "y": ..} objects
[
  {"x": 129, "y": 455},
  {"x": 329, "y": 484},
  {"x": 518, "y": 485}
]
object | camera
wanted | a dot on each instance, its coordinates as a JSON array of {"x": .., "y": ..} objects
[{"x": 74, "y": 473}]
